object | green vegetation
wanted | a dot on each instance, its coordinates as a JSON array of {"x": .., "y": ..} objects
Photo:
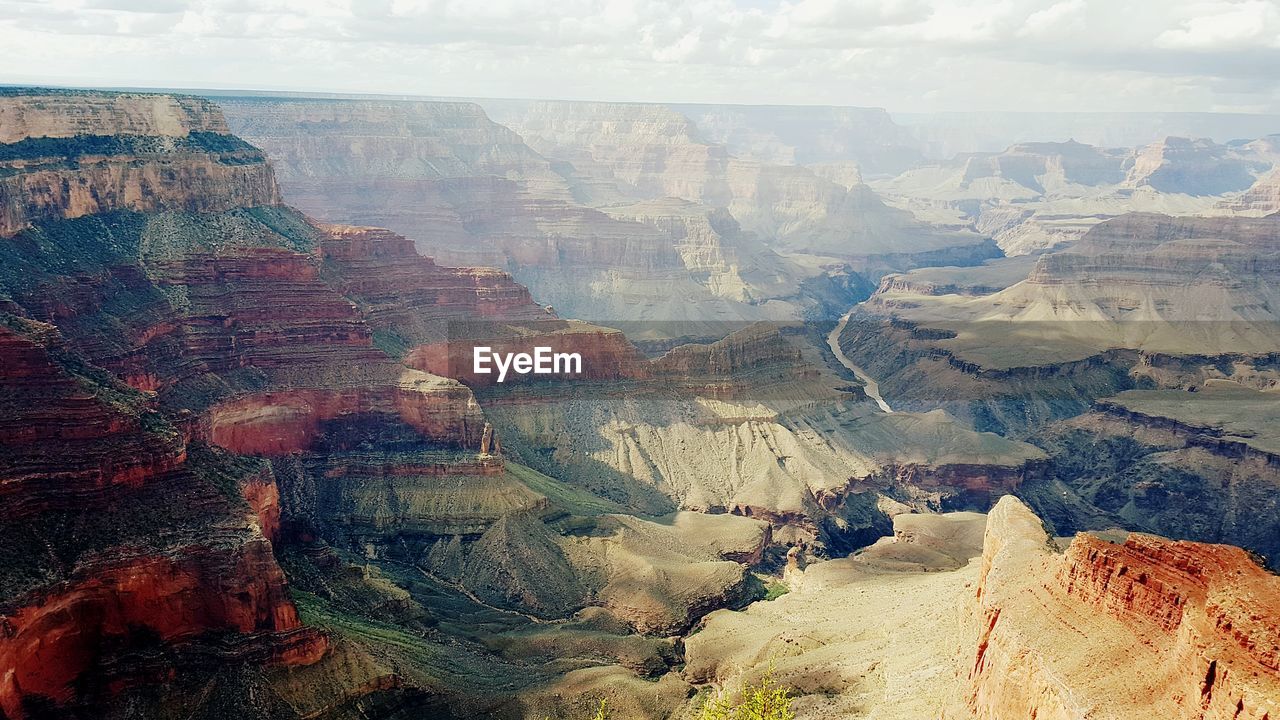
[
  {"x": 775, "y": 589},
  {"x": 391, "y": 342},
  {"x": 68, "y": 149},
  {"x": 318, "y": 612},
  {"x": 766, "y": 700}
]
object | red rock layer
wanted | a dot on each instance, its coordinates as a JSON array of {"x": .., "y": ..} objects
[
  {"x": 83, "y": 449},
  {"x": 46, "y": 646},
  {"x": 1150, "y": 627},
  {"x": 269, "y": 309},
  {"x": 76, "y": 437},
  {"x": 401, "y": 290},
  {"x": 279, "y": 423}
]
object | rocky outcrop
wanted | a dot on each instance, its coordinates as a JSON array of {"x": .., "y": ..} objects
[
  {"x": 469, "y": 191},
  {"x": 282, "y": 422},
  {"x": 1191, "y": 465},
  {"x": 1034, "y": 196},
  {"x": 42, "y": 113},
  {"x": 756, "y": 426},
  {"x": 65, "y": 155},
  {"x": 902, "y": 658},
  {"x": 144, "y": 546},
  {"x": 1192, "y": 167},
  {"x": 1262, "y": 198},
  {"x": 147, "y": 349},
  {"x": 657, "y": 579},
  {"x": 1199, "y": 621}
]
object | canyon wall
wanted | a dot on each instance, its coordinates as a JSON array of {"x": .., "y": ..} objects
[
  {"x": 74, "y": 153},
  {"x": 147, "y": 542},
  {"x": 1082, "y": 323},
  {"x": 1196, "y": 623},
  {"x": 469, "y": 191}
]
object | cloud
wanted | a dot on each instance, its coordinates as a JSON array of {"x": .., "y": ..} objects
[
  {"x": 909, "y": 55},
  {"x": 1226, "y": 25}
]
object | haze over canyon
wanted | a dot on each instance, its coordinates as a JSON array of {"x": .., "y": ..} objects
[{"x": 900, "y": 416}]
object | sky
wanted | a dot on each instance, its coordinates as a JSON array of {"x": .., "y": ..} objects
[{"x": 903, "y": 55}]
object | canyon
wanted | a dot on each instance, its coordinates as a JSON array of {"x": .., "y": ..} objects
[{"x": 955, "y": 441}]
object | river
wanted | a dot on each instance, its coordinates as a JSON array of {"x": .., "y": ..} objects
[{"x": 872, "y": 388}]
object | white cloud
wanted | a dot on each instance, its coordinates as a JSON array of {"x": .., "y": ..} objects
[
  {"x": 902, "y": 54},
  {"x": 1227, "y": 25}
]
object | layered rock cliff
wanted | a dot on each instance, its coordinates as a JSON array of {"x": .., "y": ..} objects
[
  {"x": 149, "y": 348},
  {"x": 122, "y": 536},
  {"x": 1034, "y": 196},
  {"x": 1190, "y": 465},
  {"x": 1198, "y": 621},
  {"x": 755, "y": 425},
  {"x": 72, "y": 154},
  {"x": 653, "y": 151},
  {"x": 469, "y": 191},
  {"x": 1084, "y": 323}
]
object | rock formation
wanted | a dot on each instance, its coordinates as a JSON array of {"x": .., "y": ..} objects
[
  {"x": 467, "y": 190},
  {"x": 1192, "y": 465},
  {"x": 150, "y": 347},
  {"x": 653, "y": 151},
  {"x": 1199, "y": 621},
  {"x": 1035, "y": 196},
  {"x": 121, "y": 536},
  {"x": 881, "y": 634},
  {"x": 72, "y": 154},
  {"x": 1083, "y": 323},
  {"x": 754, "y": 425}
]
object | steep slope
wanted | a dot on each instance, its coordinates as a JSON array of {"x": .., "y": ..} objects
[
  {"x": 755, "y": 425},
  {"x": 73, "y": 153},
  {"x": 149, "y": 346},
  {"x": 1195, "y": 466},
  {"x": 126, "y": 545},
  {"x": 1197, "y": 622},
  {"x": 966, "y": 616},
  {"x": 875, "y": 635}
]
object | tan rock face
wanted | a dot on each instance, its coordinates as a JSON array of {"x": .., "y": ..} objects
[
  {"x": 753, "y": 426},
  {"x": 876, "y": 635},
  {"x": 1034, "y": 196},
  {"x": 1193, "y": 167},
  {"x": 469, "y": 191},
  {"x": 63, "y": 114},
  {"x": 75, "y": 154},
  {"x": 1201, "y": 621},
  {"x": 1081, "y": 324},
  {"x": 1262, "y": 198}
]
